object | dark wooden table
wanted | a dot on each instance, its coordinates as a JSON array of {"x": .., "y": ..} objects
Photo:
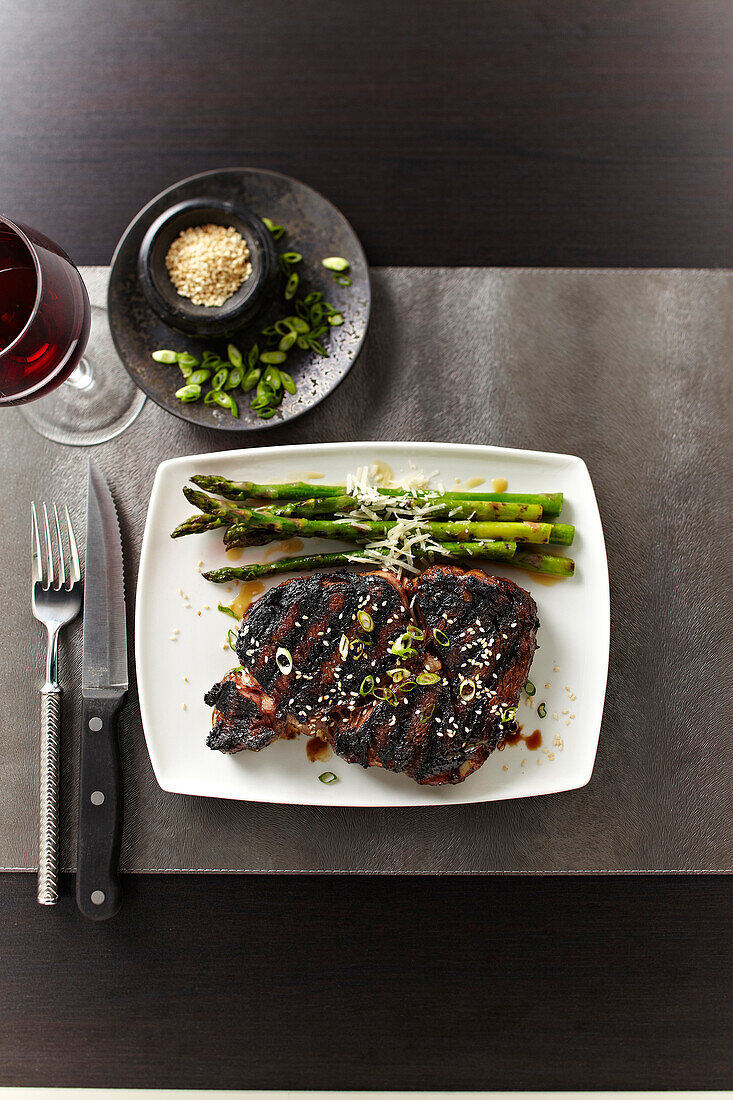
[{"x": 493, "y": 133}]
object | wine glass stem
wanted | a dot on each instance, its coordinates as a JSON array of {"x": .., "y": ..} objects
[{"x": 82, "y": 376}]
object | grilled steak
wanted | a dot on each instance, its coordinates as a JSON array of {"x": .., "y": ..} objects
[{"x": 347, "y": 633}]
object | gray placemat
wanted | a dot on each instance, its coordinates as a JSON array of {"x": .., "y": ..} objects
[{"x": 629, "y": 369}]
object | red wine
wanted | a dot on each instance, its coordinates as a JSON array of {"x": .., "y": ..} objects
[{"x": 42, "y": 335}]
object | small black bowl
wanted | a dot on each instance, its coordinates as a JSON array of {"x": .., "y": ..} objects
[{"x": 245, "y": 304}]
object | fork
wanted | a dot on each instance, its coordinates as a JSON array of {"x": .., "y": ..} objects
[{"x": 55, "y": 603}]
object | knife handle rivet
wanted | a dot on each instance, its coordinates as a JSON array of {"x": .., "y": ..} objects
[
  {"x": 96, "y": 798},
  {"x": 97, "y": 897},
  {"x": 95, "y": 724}
]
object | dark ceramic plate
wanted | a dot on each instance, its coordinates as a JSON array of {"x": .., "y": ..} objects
[{"x": 314, "y": 227}]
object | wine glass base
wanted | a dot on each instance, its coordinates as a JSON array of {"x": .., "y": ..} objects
[{"x": 96, "y": 403}]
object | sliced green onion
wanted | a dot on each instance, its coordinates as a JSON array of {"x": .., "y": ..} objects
[
  {"x": 344, "y": 646},
  {"x": 236, "y": 374},
  {"x": 335, "y": 319},
  {"x": 507, "y": 715},
  {"x": 342, "y": 280},
  {"x": 253, "y": 356},
  {"x": 218, "y": 382},
  {"x": 365, "y": 620},
  {"x": 188, "y": 393},
  {"x": 367, "y": 685},
  {"x": 276, "y": 230},
  {"x": 427, "y": 678},
  {"x": 335, "y": 263},
  {"x": 185, "y": 359},
  {"x": 273, "y": 357},
  {"x": 233, "y": 644},
  {"x": 198, "y": 377},
  {"x": 530, "y": 688},
  {"x": 542, "y": 711},
  {"x": 291, "y": 257},
  {"x": 251, "y": 379},
  {"x": 428, "y": 712},
  {"x": 297, "y": 324},
  {"x": 328, "y": 777},
  {"x": 164, "y": 356},
  {"x": 467, "y": 690},
  {"x": 287, "y": 381},
  {"x": 397, "y": 675},
  {"x": 284, "y": 660},
  {"x": 415, "y": 632},
  {"x": 441, "y": 638},
  {"x": 288, "y": 340},
  {"x": 291, "y": 286},
  {"x": 226, "y": 610},
  {"x": 234, "y": 355}
]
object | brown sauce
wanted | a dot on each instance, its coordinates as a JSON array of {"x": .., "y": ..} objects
[
  {"x": 234, "y": 554},
  {"x": 316, "y": 749},
  {"x": 289, "y": 547},
  {"x": 533, "y": 740},
  {"x": 247, "y": 593},
  {"x": 499, "y": 484}
]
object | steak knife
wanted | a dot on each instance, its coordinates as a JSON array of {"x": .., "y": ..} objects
[{"x": 104, "y": 689}]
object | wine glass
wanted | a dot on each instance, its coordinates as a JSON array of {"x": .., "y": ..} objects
[{"x": 56, "y": 351}]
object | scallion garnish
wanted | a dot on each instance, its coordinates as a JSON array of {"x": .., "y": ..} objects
[
  {"x": 397, "y": 675},
  {"x": 467, "y": 690},
  {"x": 344, "y": 647},
  {"x": 542, "y": 711},
  {"x": 367, "y": 685},
  {"x": 226, "y": 610},
  {"x": 507, "y": 715},
  {"x": 530, "y": 688},
  {"x": 328, "y": 777},
  {"x": 415, "y": 632},
  {"x": 441, "y": 638},
  {"x": 427, "y": 678},
  {"x": 284, "y": 660},
  {"x": 365, "y": 620},
  {"x": 233, "y": 644}
]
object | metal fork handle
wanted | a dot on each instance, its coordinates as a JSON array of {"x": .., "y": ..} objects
[{"x": 48, "y": 833}]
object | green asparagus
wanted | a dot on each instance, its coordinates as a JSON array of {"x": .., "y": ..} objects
[
  {"x": 551, "y": 503},
  {"x": 365, "y": 530},
  {"x": 486, "y": 551}
]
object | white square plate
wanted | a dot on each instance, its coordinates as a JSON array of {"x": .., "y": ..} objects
[{"x": 174, "y": 674}]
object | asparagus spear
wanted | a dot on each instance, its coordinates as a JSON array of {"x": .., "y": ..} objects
[
  {"x": 196, "y": 525},
  {"x": 551, "y": 503},
  {"x": 544, "y": 563},
  {"x": 487, "y": 551},
  {"x": 459, "y": 509},
  {"x": 481, "y": 510},
  {"x": 362, "y": 531}
]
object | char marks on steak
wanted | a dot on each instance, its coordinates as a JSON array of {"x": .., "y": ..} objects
[{"x": 437, "y": 733}]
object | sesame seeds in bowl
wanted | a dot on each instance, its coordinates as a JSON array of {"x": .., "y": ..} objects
[
  {"x": 208, "y": 263},
  {"x": 207, "y": 267}
]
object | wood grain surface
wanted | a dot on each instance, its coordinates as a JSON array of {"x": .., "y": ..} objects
[
  {"x": 503, "y": 132},
  {"x": 506, "y": 132},
  {"x": 374, "y": 983}
]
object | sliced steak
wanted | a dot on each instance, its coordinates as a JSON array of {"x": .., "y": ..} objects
[{"x": 340, "y": 630}]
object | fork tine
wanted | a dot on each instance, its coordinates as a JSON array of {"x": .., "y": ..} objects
[
  {"x": 49, "y": 551},
  {"x": 74, "y": 570},
  {"x": 62, "y": 556},
  {"x": 36, "y": 561}
]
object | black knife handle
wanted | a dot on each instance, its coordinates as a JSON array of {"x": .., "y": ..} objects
[{"x": 98, "y": 892}]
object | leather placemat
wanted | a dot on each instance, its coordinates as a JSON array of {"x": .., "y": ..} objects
[{"x": 629, "y": 369}]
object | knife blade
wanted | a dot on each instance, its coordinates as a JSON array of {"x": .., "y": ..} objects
[{"x": 104, "y": 689}]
